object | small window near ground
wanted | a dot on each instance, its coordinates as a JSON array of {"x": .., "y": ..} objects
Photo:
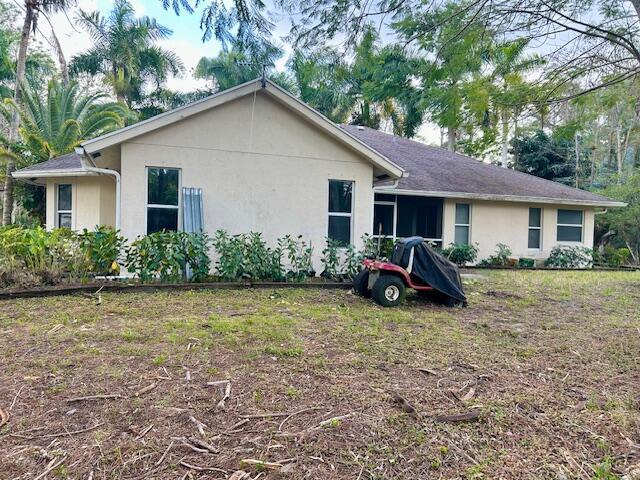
[
  {"x": 463, "y": 224},
  {"x": 64, "y": 206},
  {"x": 163, "y": 185},
  {"x": 535, "y": 228},
  {"x": 569, "y": 226},
  {"x": 340, "y": 210}
]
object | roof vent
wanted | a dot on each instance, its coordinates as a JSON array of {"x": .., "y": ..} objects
[{"x": 360, "y": 127}]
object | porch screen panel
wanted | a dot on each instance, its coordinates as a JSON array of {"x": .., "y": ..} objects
[{"x": 421, "y": 216}]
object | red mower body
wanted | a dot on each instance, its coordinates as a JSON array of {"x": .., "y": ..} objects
[{"x": 376, "y": 266}]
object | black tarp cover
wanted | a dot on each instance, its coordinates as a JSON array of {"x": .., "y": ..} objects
[{"x": 429, "y": 266}]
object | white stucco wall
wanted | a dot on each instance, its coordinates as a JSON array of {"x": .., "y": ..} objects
[
  {"x": 508, "y": 223},
  {"x": 260, "y": 166},
  {"x": 92, "y": 201}
]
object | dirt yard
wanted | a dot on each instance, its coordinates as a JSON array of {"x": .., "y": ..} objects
[{"x": 538, "y": 378}]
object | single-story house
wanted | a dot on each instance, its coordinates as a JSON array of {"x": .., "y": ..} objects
[{"x": 262, "y": 160}]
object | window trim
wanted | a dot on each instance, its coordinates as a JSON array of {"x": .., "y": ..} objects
[
  {"x": 574, "y": 225},
  {"x": 342, "y": 214},
  {"x": 539, "y": 249},
  {"x": 56, "y": 220},
  {"x": 456, "y": 224},
  {"x": 148, "y": 205}
]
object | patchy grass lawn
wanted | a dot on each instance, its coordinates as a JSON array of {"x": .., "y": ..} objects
[{"x": 550, "y": 360}]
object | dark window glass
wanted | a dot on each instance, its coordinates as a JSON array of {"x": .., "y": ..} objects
[
  {"x": 421, "y": 216},
  {"x": 569, "y": 234},
  {"x": 340, "y": 229},
  {"x": 64, "y": 220},
  {"x": 161, "y": 219},
  {"x": 461, "y": 236},
  {"x": 340, "y": 193},
  {"x": 64, "y": 197},
  {"x": 571, "y": 217},
  {"x": 381, "y": 197},
  {"x": 534, "y": 238},
  {"x": 535, "y": 216},
  {"x": 383, "y": 216},
  {"x": 462, "y": 214},
  {"x": 163, "y": 186}
]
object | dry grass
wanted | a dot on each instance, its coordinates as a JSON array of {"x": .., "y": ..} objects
[{"x": 549, "y": 359}]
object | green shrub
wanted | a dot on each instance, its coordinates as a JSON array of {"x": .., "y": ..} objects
[
  {"x": 526, "y": 262},
  {"x": 613, "y": 257},
  {"x": 379, "y": 248},
  {"x": 166, "y": 255},
  {"x": 501, "y": 257},
  {"x": 330, "y": 259},
  {"x": 101, "y": 248},
  {"x": 352, "y": 261},
  {"x": 461, "y": 254},
  {"x": 563, "y": 256},
  {"x": 299, "y": 255}
]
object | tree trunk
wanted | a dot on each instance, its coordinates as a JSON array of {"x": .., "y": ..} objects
[
  {"x": 64, "y": 69},
  {"x": 505, "y": 140},
  {"x": 452, "y": 135},
  {"x": 8, "y": 200},
  {"x": 618, "y": 151}
]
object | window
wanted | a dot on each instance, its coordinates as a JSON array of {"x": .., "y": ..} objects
[
  {"x": 463, "y": 224},
  {"x": 340, "y": 210},
  {"x": 63, "y": 206},
  {"x": 421, "y": 216},
  {"x": 163, "y": 185},
  {"x": 569, "y": 226},
  {"x": 535, "y": 228}
]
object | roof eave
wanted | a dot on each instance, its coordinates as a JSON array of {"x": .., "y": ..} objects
[
  {"x": 50, "y": 173},
  {"x": 501, "y": 198}
]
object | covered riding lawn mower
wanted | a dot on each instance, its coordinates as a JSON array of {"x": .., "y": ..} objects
[{"x": 413, "y": 265}]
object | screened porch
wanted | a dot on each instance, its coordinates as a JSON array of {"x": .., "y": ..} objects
[{"x": 401, "y": 216}]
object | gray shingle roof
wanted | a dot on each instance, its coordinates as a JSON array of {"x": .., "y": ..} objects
[
  {"x": 432, "y": 169},
  {"x": 70, "y": 161}
]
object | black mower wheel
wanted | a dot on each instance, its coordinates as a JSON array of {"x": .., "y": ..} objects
[
  {"x": 389, "y": 291},
  {"x": 361, "y": 283}
]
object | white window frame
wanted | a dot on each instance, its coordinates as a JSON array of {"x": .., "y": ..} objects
[
  {"x": 155, "y": 205},
  {"x": 535, "y": 228},
  {"x": 581, "y": 225},
  {"x": 455, "y": 224},
  {"x": 342, "y": 214},
  {"x": 57, "y": 204}
]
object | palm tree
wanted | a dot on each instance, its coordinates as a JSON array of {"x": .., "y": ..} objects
[
  {"x": 55, "y": 125},
  {"x": 125, "y": 52},
  {"x": 32, "y": 8},
  {"x": 237, "y": 65}
]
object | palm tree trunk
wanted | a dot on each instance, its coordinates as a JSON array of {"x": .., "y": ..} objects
[
  {"x": 64, "y": 69},
  {"x": 505, "y": 140},
  {"x": 8, "y": 200},
  {"x": 618, "y": 150}
]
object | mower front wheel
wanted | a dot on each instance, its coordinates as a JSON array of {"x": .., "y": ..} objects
[
  {"x": 361, "y": 283},
  {"x": 389, "y": 291}
]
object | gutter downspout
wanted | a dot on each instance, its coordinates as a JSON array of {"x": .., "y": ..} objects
[{"x": 104, "y": 171}]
